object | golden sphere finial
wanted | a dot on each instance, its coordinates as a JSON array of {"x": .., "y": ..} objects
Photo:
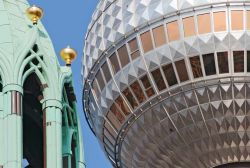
[
  {"x": 34, "y": 13},
  {"x": 68, "y": 54}
]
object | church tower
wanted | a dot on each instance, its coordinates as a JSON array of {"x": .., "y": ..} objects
[
  {"x": 167, "y": 82},
  {"x": 38, "y": 119}
]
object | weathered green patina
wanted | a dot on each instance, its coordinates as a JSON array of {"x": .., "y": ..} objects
[{"x": 25, "y": 50}]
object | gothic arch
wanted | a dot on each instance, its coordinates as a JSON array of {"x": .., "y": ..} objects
[
  {"x": 70, "y": 127},
  {"x": 32, "y": 76},
  {"x": 33, "y": 149}
]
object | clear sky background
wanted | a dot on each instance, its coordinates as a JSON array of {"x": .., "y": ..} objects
[{"x": 66, "y": 22}]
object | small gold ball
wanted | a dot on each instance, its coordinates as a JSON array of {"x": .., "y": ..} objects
[
  {"x": 34, "y": 13},
  {"x": 68, "y": 55}
]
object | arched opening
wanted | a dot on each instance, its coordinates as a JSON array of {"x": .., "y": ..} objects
[
  {"x": 33, "y": 122},
  {"x": 69, "y": 127}
]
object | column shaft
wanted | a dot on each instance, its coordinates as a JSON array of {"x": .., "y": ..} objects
[
  {"x": 53, "y": 136},
  {"x": 2, "y": 153},
  {"x": 12, "y": 127}
]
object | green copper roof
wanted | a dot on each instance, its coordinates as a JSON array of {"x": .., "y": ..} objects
[
  {"x": 14, "y": 26},
  {"x": 26, "y": 49},
  {"x": 18, "y": 35}
]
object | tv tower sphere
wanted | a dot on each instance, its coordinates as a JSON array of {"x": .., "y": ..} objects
[{"x": 167, "y": 82}]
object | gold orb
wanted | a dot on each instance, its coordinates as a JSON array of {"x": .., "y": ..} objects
[
  {"x": 34, "y": 13},
  {"x": 68, "y": 55}
]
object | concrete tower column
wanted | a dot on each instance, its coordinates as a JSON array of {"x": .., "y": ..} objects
[
  {"x": 12, "y": 126},
  {"x": 52, "y": 118}
]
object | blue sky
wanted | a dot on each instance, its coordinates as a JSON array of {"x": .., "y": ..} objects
[{"x": 66, "y": 22}]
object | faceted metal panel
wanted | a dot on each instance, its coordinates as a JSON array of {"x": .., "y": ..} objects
[
  {"x": 202, "y": 121},
  {"x": 114, "y": 19},
  {"x": 211, "y": 133}
]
